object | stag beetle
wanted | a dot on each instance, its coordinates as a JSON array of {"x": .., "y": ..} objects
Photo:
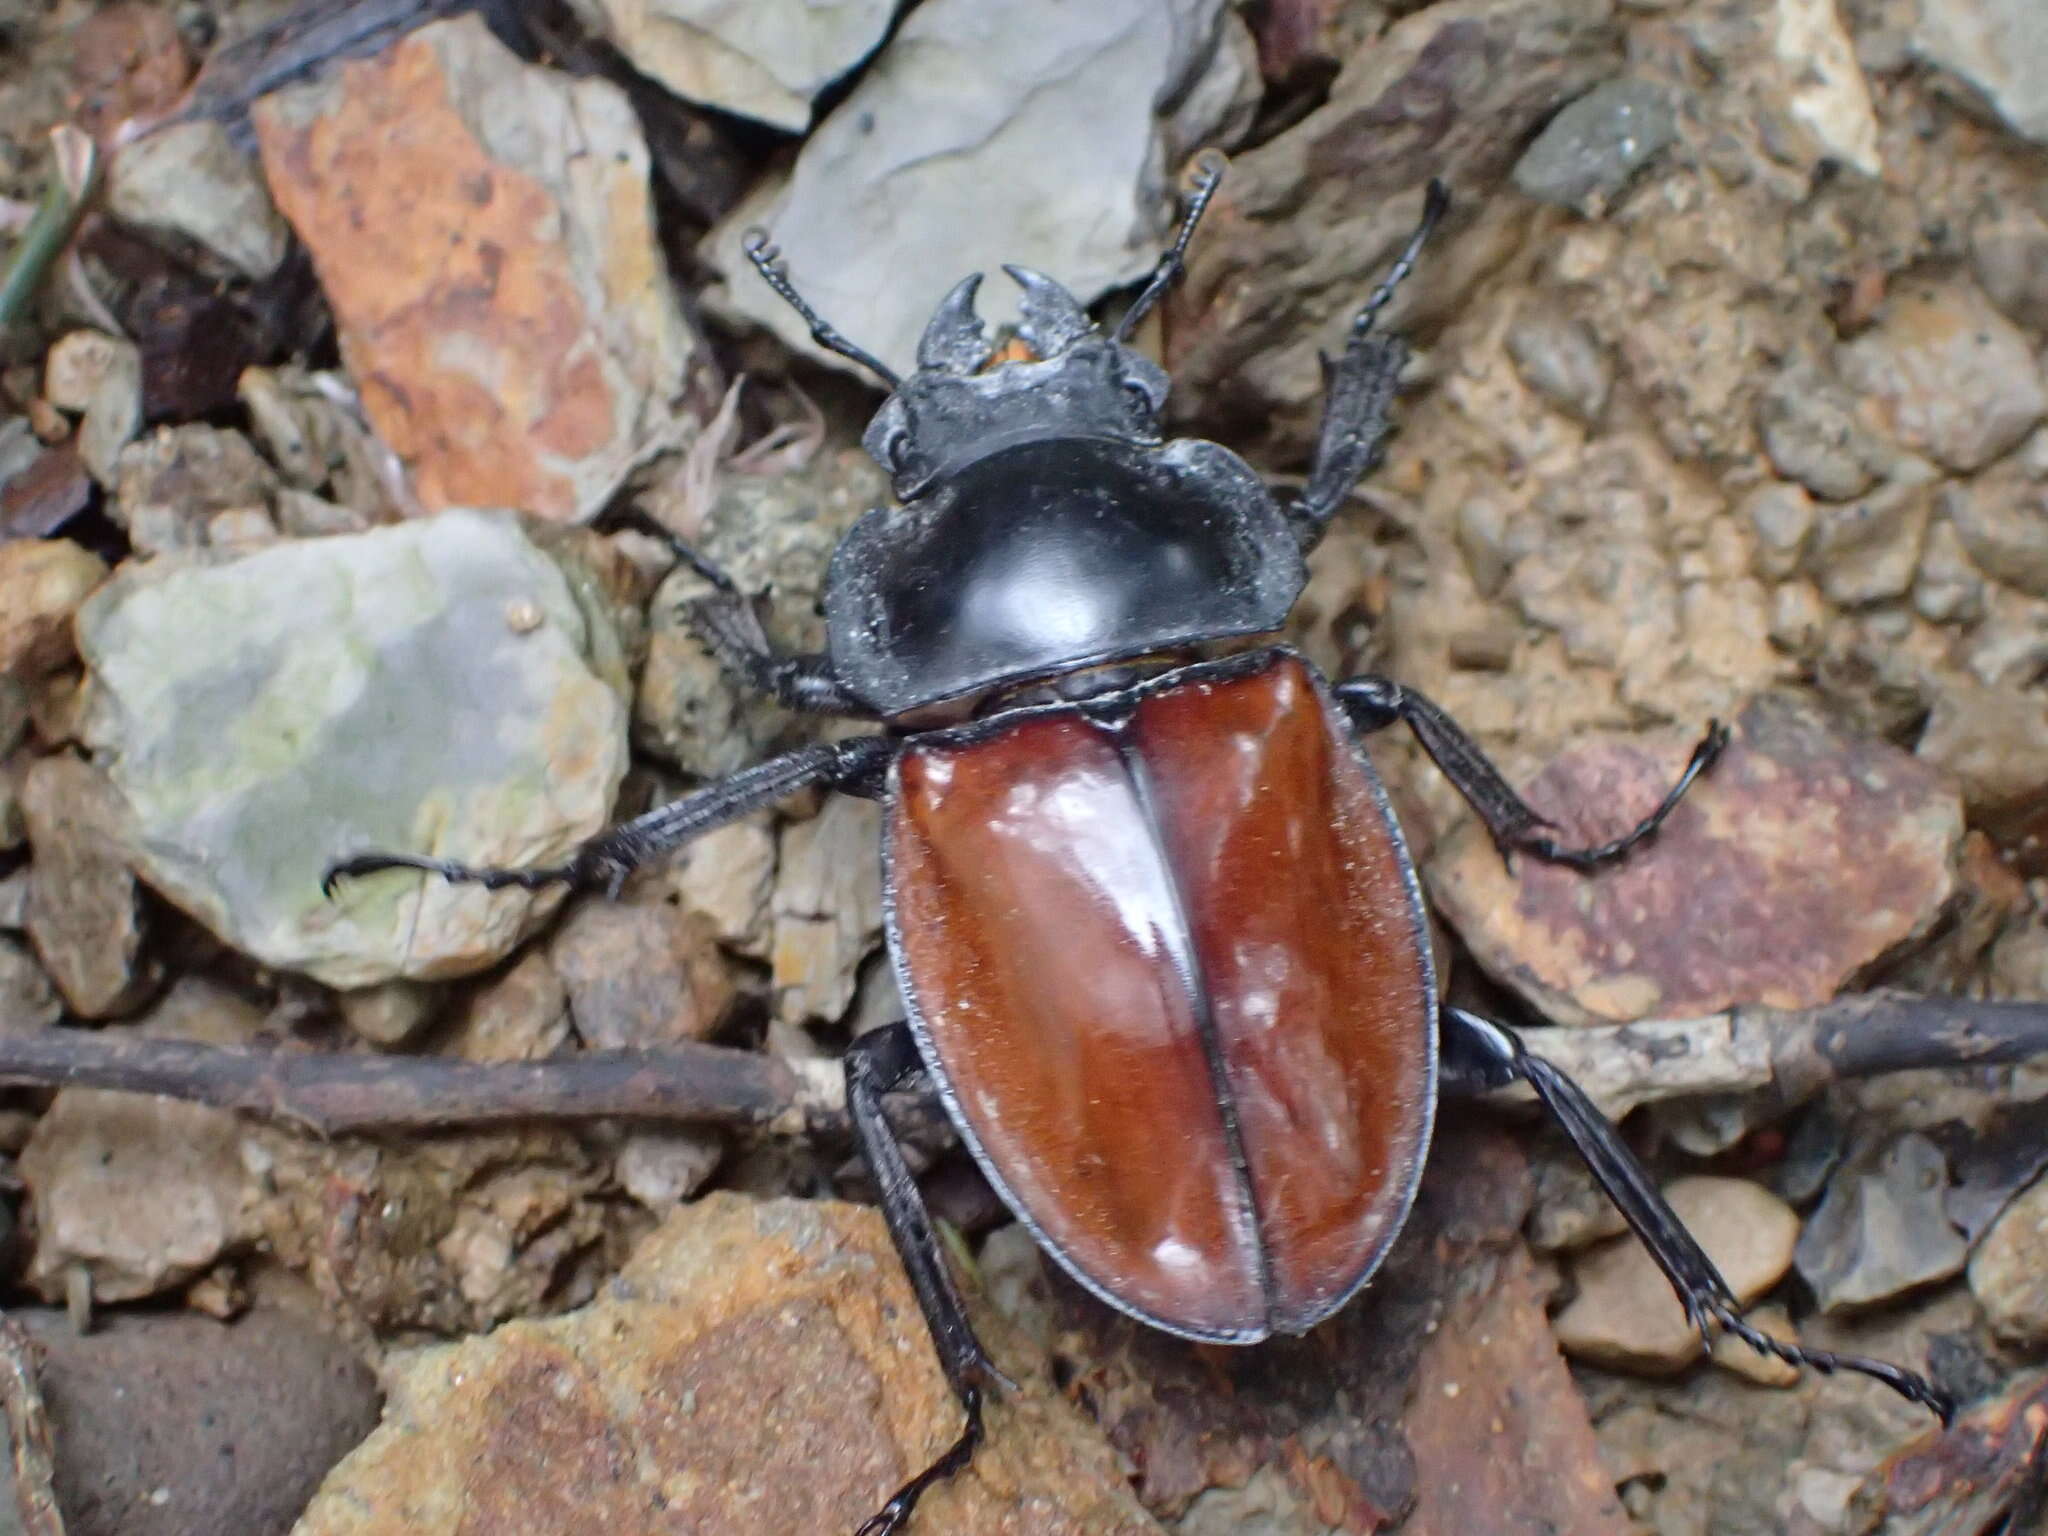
[{"x": 1160, "y": 940}]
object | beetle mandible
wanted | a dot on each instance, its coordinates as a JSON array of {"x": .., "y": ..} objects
[{"x": 1159, "y": 938}]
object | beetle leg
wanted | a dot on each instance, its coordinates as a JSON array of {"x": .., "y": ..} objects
[
  {"x": 1479, "y": 1055},
  {"x": 1373, "y": 703},
  {"x": 855, "y": 766},
  {"x": 731, "y": 630},
  {"x": 875, "y": 1063},
  {"x": 1360, "y": 384}
]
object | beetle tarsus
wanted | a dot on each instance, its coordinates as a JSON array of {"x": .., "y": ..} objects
[
  {"x": 448, "y": 869},
  {"x": 1480, "y": 1055},
  {"x": 1359, "y": 412},
  {"x": 891, "y": 1516},
  {"x": 604, "y": 862},
  {"x": 1209, "y": 168},
  {"x": 1374, "y": 703},
  {"x": 1586, "y": 859}
]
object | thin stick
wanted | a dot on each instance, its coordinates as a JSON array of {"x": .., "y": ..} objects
[
  {"x": 335, "y": 1094},
  {"x": 1790, "y": 1055},
  {"x": 1748, "y": 1050}
]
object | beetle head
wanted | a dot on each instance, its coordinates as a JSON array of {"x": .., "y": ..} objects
[{"x": 957, "y": 408}]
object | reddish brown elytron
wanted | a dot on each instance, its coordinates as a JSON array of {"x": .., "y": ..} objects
[{"x": 1175, "y": 970}]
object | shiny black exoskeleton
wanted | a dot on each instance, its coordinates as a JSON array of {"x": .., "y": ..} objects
[{"x": 1049, "y": 543}]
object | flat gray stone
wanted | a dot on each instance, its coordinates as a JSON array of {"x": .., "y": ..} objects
[
  {"x": 425, "y": 688},
  {"x": 764, "y": 59},
  {"x": 1882, "y": 1229},
  {"x": 988, "y": 131},
  {"x": 1592, "y": 148},
  {"x": 1999, "y": 48}
]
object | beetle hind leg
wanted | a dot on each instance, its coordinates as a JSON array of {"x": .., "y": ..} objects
[
  {"x": 1479, "y": 1055},
  {"x": 875, "y": 1063},
  {"x": 1373, "y": 703}
]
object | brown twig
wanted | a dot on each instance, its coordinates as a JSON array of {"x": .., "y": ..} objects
[
  {"x": 1790, "y": 1055},
  {"x": 1749, "y": 1050},
  {"x": 334, "y": 1094}
]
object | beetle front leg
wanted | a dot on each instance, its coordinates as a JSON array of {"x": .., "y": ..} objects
[
  {"x": 856, "y": 766},
  {"x": 1480, "y": 1055},
  {"x": 726, "y": 621},
  {"x": 1373, "y": 703},
  {"x": 875, "y": 1063},
  {"x": 1359, "y": 412}
]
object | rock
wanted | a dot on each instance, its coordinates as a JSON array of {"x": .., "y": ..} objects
[
  {"x": 1828, "y": 93},
  {"x": 129, "y": 63},
  {"x": 1868, "y": 550},
  {"x": 726, "y": 876},
  {"x": 391, "y": 1014},
  {"x": 1560, "y": 359},
  {"x": 1492, "y": 1361},
  {"x": 662, "y": 1169},
  {"x": 113, "y": 414},
  {"x": 2009, "y": 1270},
  {"x": 1983, "y": 1475},
  {"x": 308, "y": 425},
  {"x": 189, "y": 179},
  {"x": 1752, "y": 1364},
  {"x": 142, "y": 1193},
  {"x": 1946, "y": 374},
  {"x": 1304, "y": 221},
  {"x": 640, "y": 975},
  {"x": 85, "y": 914},
  {"x": 2009, "y": 256},
  {"x": 1781, "y": 516},
  {"x": 1570, "y": 1211},
  {"x": 756, "y": 1366},
  {"x": 176, "y": 1425},
  {"x": 1948, "y": 588},
  {"x": 1755, "y": 891},
  {"x": 42, "y": 582},
  {"x": 28, "y": 1001},
  {"x": 1810, "y": 430},
  {"x": 493, "y": 268},
  {"x": 764, "y": 61},
  {"x": 1626, "y": 1316},
  {"x": 1998, "y": 49},
  {"x": 2001, "y": 517},
  {"x": 828, "y": 908},
  {"x": 987, "y": 131},
  {"x": 76, "y": 363},
  {"x": 1994, "y": 741},
  {"x": 174, "y": 482},
  {"x": 1595, "y": 146},
  {"x": 390, "y": 690},
  {"x": 522, "y": 1015},
  {"x": 1881, "y": 1229}
]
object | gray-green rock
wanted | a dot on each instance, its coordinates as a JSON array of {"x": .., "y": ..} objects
[
  {"x": 1594, "y": 146},
  {"x": 424, "y": 688}
]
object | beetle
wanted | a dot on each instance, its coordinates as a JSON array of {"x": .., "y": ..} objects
[{"x": 1160, "y": 941}]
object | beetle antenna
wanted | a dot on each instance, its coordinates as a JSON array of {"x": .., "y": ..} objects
[
  {"x": 1208, "y": 177},
  {"x": 767, "y": 261},
  {"x": 1434, "y": 203}
]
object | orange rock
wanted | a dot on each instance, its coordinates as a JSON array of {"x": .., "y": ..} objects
[
  {"x": 757, "y": 1366},
  {"x": 483, "y": 232}
]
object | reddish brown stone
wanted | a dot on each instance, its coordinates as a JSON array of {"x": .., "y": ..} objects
[
  {"x": 1501, "y": 1439},
  {"x": 483, "y": 233},
  {"x": 1802, "y": 860},
  {"x": 756, "y": 1367}
]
